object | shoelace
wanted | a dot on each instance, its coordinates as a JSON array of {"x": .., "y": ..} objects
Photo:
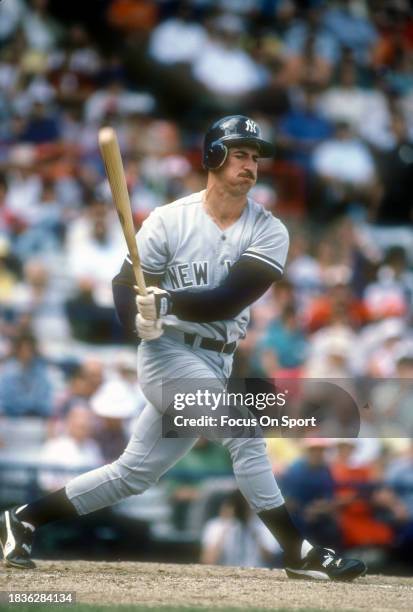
[{"x": 329, "y": 559}]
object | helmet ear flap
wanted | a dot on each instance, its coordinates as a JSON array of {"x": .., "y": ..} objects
[{"x": 216, "y": 156}]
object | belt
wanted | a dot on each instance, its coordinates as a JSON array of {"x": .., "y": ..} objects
[{"x": 210, "y": 345}]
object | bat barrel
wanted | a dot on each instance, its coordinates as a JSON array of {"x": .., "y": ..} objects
[{"x": 115, "y": 172}]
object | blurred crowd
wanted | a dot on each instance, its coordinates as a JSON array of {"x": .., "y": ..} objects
[{"x": 331, "y": 83}]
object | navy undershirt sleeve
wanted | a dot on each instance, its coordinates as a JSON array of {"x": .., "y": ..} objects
[
  {"x": 124, "y": 294},
  {"x": 246, "y": 282}
]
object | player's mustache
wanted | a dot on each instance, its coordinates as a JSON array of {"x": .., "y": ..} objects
[{"x": 247, "y": 174}]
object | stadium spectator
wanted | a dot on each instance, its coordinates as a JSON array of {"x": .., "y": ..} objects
[
  {"x": 46, "y": 213},
  {"x": 302, "y": 128},
  {"x": 75, "y": 391},
  {"x": 283, "y": 346},
  {"x": 366, "y": 110},
  {"x": 392, "y": 399},
  {"x": 309, "y": 493},
  {"x": 267, "y": 309},
  {"x": 115, "y": 403},
  {"x": 237, "y": 537},
  {"x": 25, "y": 384},
  {"x": 24, "y": 185},
  {"x": 330, "y": 352},
  {"x": 389, "y": 335},
  {"x": 337, "y": 304},
  {"x": 357, "y": 500},
  {"x": 43, "y": 233},
  {"x": 399, "y": 477},
  {"x": 351, "y": 30},
  {"x": 345, "y": 102},
  {"x": 394, "y": 33},
  {"x": 84, "y": 377},
  {"x": 95, "y": 250},
  {"x": 395, "y": 167},
  {"x": 133, "y": 16},
  {"x": 91, "y": 321},
  {"x": 178, "y": 39},
  {"x": 392, "y": 290},
  {"x": 38, "y": 298},
  {"x": 114, "y": 97},
  {"x": 303, "y": 268},
  {"x": 94, "y": 370},
  {"x": 311, "y": 51},
  {"x": 74, "y": 450},
  {"x": 378, "y": 345},
  {"x": 282, "y": 453},
  {"x": 11, "y": 14},
  {"x": 226, "y": 72},
  {"x": 78, "y": 56},
  {"x": 42, "y": 125},
  {"x": 346, "y": 171},
  {"x": 41, "y": 30}
]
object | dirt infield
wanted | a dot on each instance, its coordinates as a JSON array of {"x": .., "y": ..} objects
[{"x": 155, "y": 584}]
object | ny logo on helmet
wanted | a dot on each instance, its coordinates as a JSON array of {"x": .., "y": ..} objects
[{"x": 250, "y": 126}]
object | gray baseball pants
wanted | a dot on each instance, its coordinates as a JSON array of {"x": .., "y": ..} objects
[{"x": 149, "y": 455}]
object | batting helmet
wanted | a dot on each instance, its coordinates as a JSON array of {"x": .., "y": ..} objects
[{"x": 230, "y": 131}]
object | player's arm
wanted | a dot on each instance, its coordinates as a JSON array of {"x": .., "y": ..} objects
[{"x": 246, "y": 282}]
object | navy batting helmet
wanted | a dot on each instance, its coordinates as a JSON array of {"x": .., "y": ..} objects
[{"x": 230, "y": 131}]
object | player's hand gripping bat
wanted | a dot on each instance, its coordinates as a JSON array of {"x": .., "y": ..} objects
[{"x": 109, "y": 149}]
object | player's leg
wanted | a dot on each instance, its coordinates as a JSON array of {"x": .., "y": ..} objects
[
  {"x": 147, "y": 456},
  {"x": 256, "y": 481}
]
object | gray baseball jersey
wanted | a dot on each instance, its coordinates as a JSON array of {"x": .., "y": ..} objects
[{"x": 183, "y": 245}]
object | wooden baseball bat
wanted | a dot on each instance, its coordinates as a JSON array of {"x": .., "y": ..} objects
[{"x": 109, "y": 148}]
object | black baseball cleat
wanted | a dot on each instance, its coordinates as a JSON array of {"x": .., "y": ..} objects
[
  {"x": 325, "y": 564},
  {"x": 16, "y": 540}
]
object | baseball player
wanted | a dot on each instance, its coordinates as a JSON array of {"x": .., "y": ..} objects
[{"x": 206, "y": 258}]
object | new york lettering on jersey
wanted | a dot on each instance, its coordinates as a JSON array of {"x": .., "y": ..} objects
[{"x": 194, "y": 274}]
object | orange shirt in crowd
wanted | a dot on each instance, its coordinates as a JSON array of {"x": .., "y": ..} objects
[
  {"x": 356, "y": 518},
  {"x": 133, "y": 15}
]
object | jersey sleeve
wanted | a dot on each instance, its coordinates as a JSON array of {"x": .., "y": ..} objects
[
  {"x": 153, "y": 245},
  {"x": 269, "y": 245}
]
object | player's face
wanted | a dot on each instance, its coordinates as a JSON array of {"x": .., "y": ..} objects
[{"x": 239, "y": 173}]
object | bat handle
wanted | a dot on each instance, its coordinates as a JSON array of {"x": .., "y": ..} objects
[{"x": 140, "y": 280}]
